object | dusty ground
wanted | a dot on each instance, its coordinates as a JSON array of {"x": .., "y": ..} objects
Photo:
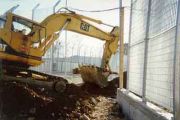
[{"x": 86, "y": 102}]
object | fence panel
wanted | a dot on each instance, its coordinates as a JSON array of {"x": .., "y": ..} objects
[
  {"x": 160, "y": 53},
  {"x": 159, "y": 69},
  {"x": 136, "y": 60},
  {"x": 159, "y": 81}
]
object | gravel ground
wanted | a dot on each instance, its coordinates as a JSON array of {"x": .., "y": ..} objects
[{"x": 106, "y": 109}]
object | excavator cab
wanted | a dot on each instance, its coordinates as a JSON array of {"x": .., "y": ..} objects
[
  {"x": 15, "y": 36},
  {"x": 24, "y": 26}
]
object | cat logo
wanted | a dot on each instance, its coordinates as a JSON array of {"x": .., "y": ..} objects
[{"x": 85, "y": 27}]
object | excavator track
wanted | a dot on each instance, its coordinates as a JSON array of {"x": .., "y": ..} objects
[{"x": 13, "y": 73}]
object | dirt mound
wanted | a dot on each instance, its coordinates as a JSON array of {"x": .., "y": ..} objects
[{"x": 23, "y": 102}]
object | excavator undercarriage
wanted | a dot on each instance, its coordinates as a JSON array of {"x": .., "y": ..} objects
[{"x": 20, "y": 73}]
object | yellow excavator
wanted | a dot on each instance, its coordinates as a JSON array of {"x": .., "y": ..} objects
[{"x": 23, "y": 42}]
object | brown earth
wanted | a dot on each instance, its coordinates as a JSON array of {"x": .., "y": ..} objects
[{"x": 85, "y": 102}]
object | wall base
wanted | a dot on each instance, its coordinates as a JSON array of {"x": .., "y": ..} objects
[{"x": 134, "y": 109}]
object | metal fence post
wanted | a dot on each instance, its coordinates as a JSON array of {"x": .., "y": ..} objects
[
  {"x": 146, "y": 41},
  {"x": 66, "y": 37},
  {"x": 33, "y": 10},
  {"x": 52, "y": 59},
  {"x": 52, "y": 48},
  {"x": 1, "y": 77},
  {"x": 121, "y": 41},
  {"x": 10, "y": 10},
  {"x": 129, "y": 43},
  {"x": 176, "y": 68},
  {"x": 55, "y": 5}
]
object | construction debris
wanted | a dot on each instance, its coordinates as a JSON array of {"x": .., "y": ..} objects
[{"x": 78, "y": 102}]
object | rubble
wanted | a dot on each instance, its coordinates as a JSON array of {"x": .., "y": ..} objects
[
  {"x": 84, "y": 117},
  {"x": 32, "y": 110},
  {"x": 23, "y": 102}
]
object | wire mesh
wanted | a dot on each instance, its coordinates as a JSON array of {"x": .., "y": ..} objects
[
  {"x": 138, "y": 28},
  {"x": 176, "y": 75},
  {"x": 159, "y": 69},
  {"x": 160, "y": 53}
]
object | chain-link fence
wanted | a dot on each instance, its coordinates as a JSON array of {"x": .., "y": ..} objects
[
  {"x": 62, "y": 65},
  {"x": 151, "y": 50}
]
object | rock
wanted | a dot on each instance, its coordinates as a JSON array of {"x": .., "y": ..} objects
[
  {"x": 78, "y": 103},
  {"x": 93, "y": 101},
  {"x": 98, "y": 99},
  {"x": 67, "y": 115},
  {"x": 84, "y": 117},
  {"x": 52, "y": 114},
  {"x": 65, "y": 108},
  {"x": 76, "y": 114},
  {"x": 71, "y": 96},
  {"x": 23, "y": 115},
  {"x": 42, "y": 89},
  {"x": 114, "y": 113},
  {"x": 112, "y": 100},
  {"x": 32, "y": 110},
  {"x": 31, "y": 118}
]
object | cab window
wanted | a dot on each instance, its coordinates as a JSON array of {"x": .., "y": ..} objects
[
  {"x": 21, "y": 25},
  {"x": 18, "y": 27},
  {"x": 2, "y": 23}
]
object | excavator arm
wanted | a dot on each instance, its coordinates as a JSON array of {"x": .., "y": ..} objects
[{"x": 79, "y": 24}]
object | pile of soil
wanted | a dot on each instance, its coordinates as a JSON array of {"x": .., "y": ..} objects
[{"x": 23, "y": 102}]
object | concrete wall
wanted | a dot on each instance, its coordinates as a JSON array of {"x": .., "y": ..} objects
[{"x": 134, "y": 109}]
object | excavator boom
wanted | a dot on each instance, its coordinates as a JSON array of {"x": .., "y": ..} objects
[{"x": 26, "y": 41}]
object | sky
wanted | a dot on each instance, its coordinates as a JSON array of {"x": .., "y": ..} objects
[{"x": 46, "y": 8}]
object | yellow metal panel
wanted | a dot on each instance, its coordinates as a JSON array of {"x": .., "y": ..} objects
[{"x": 29, "y": 61}]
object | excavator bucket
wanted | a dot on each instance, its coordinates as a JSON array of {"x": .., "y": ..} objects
[{"x": 95, "y": 75}]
